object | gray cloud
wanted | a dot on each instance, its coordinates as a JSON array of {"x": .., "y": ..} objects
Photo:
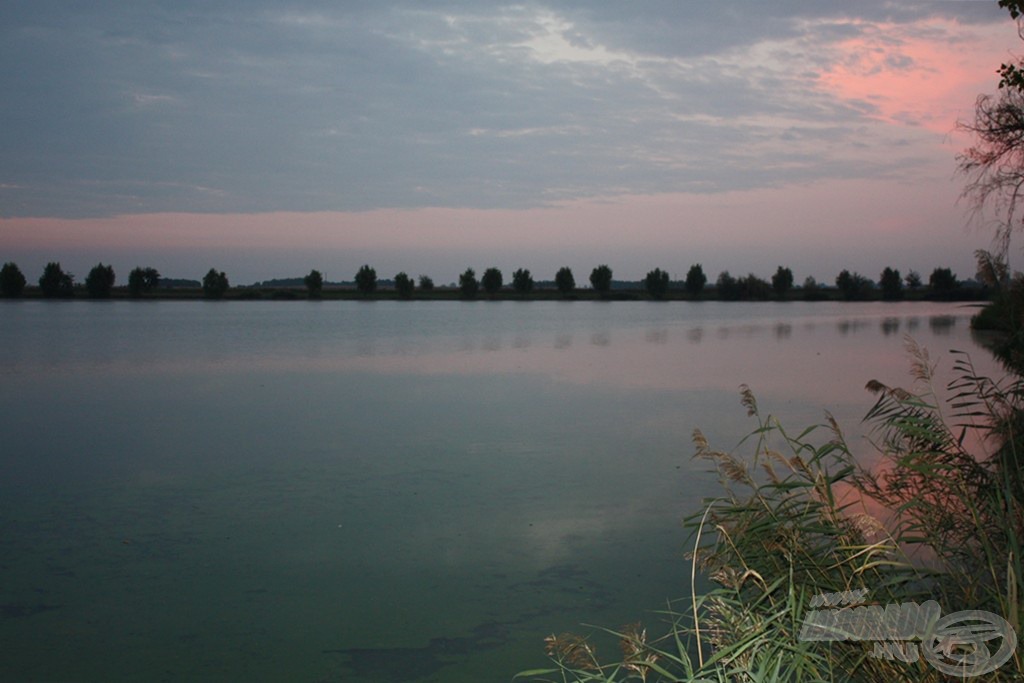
[{"x": 125, "y": 107}]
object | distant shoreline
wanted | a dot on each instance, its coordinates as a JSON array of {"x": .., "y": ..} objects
[{"x": 250, "y": 293}]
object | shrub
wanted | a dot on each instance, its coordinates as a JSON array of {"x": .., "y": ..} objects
[{"x": 12, "y": 281}]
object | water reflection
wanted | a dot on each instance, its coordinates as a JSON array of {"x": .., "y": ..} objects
[
  {"x": 890, "y": 326},
  {"x": 657, "y": 336},
  {"x": 941, "y": 324},
  {"x": 695, "y": 335},
  {"x": 783, "y": 330},
  {"x": 563, "y": 341},
  {"x": 600, "y": 339}
]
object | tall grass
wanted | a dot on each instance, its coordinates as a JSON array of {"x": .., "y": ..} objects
[{"x": 940, "y": 517}]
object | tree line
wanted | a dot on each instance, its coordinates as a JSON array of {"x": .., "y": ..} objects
[{"x": 55, "y": 282}]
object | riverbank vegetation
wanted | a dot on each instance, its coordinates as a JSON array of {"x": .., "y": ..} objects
[{"x": 147, "y": 283}]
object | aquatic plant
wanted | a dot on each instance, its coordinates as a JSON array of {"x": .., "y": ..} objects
[{"x": 799, "y": 522}]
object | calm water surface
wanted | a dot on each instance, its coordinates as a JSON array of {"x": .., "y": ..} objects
[{"x": 382, "y": 491}]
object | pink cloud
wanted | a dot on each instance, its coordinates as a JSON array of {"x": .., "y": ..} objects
[{"x": 924, "y": 75}]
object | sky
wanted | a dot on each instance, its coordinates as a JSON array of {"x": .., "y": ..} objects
[{"x": 268, "y": 138}]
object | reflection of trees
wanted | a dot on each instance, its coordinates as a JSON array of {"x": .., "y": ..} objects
[
  {"x": 890, "y": 326},
  {"x": 658, "y": 336},
  {"x": 695, "y": 335},
  {"x": 783, "y": 331},
  {"x": 941, "y": 324},
  {"x": 600, "y": 339}
]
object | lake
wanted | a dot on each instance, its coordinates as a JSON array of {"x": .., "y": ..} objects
[{"x": 383, "y": 491}]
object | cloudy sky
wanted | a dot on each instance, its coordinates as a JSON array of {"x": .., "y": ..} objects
[{"x": 268, "y": 138}]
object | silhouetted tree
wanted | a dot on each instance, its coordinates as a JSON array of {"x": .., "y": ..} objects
[
  {"x": 468, "y": 284},
  {"x": 491, "y": 281},
  {"x": 404, "y": 285},
  {"x": 215, "y": 284},
  {"x": 366, "y": 280},
  {"x": 913, "y": 280},
  {"x": 695, "y": 280},
  {"x": 314, "y": 284},
  {"x": 522, "y": 281},
  {"x": 852, "y": 285},
  {"x": 141, "y": 280},
  {"x": 891, "y": 283},
  {"x": 727, "y": 286},
  {"x": 753, "y": 287},
  {"x": 656, "y": 283},
  {"x": 782, "y": 281},
  {"x": 12, "y": 281},
  {"x": 565, "y": 281},
  {"x": 54, "y": 282},
  {"x": 100, "y": 281},
  {"x": 426, "y": 283},
  {"x": 812, "y": 290},
  {"x": 601, "y": 279},
  {"x": 942, "y": 283}
]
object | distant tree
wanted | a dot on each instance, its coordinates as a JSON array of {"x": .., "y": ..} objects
[
  {"x": 601, "y": 279},
  {"x": 366, "y": 280},
  {"x": 753, "y": 287},
  {"x": 404, "y": 285},
  {"x": 522, "y": 281},
  {"x": 891, "y": 283},
  {"x": 12, "y": 281},
  {"x": 215, "y": 284},
  {"x": 54, "y": 282},
  {"x": 491, "y": 281},
  {"x": 727, "y": 286},
  {"x": 812, "y": 290},
  {"x": 656, "y": 283},
  {"x": 468, "y": 284},
  {"x": 565, "y": 281},
  {"x": 942, "y": 283},
  {"x": 913, "y": 280},
  {"x": 142, "y": 280},
  {"x": 314, "y": 284},
  {"x": 695, "y": 280},
  {"x": 782, "y": 281},
  {"x": 852, "y": 285},
  {"x": 100, "y": 281},
  {"x": 426, "y": 283}
]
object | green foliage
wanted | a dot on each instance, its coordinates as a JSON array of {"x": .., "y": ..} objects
[
  {"x": 522, "y": 282},
  {"x": 404, "y": 285},
  {"x": 100, "y": 281},
  {"x": 601, "y": 279},
  {"x": 782, "y": 281},
  {"x": 12, "y": 281},
  {"x": 366, "y": 280},
  {"x": 142, "y": 280},
  {"x": 891, "y": 283},
  {"x": 314, "y": 284},
  {"x": 852, "y": 285},
  {"x": 426, "y": 283},
  {"x": 942, "y": 283},
  {"x": 913, "y": 280},
  {"x": 656, "y": 283},
  {"x": 54, "y": 282},
  {"x": 565, "y": 281},
  {"x": 468, "y": 284},
  {"x": 215, "y": 284},
  {"x": 491, "y": 281},
  {"x": 695, "y": 280}
]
